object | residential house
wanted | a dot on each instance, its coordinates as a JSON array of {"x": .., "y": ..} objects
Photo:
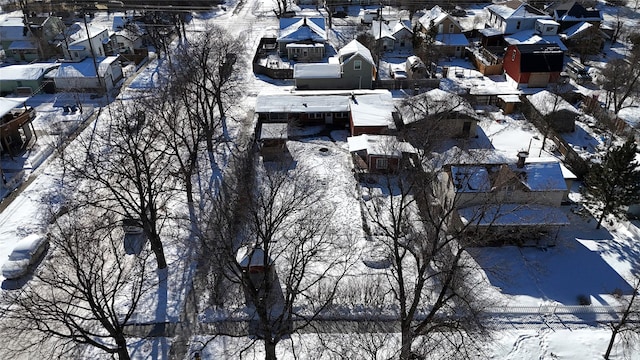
[
  {"x": 352, "y": 68},
  {"x": 364, "y": 111},
  {"x": 571, "y": 13},
  {"x": 549, "y": 109},
  {"x": 545, "y": 32},
  {"x": 303, "y": 109},
  {"x": 77, "y": 76},
  {"x": 513, "y": 201},
  {"x": 513, "y": 16},
  {"x": 437, "y": 115},
  {"x": 378, "y": 153},
  {"x": 392, "y": 35},
  {"x": 16, "y": 129},
  {"x": 302, "y": 39},
  {"x": 579, "y": 27},
  {"x": 533, "y": 65},
  {"x": 85, "y": 42},
  {"x": 25, "y": 79},
  {"x": 30, "y": 42},
  {"x": 448, "y": 37}
]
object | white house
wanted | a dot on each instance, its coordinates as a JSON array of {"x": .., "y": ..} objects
[
  {"x": 75, "y": 76},
  {"x": 84, "y": 42}
]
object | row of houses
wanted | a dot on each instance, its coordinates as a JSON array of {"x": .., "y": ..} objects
[
  {"x": 528, "y": 45},
  {"x": 86, "y": 57},
  {"x": 511, "y": 192}
]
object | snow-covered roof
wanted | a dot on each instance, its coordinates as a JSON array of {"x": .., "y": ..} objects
[
  {"x": 630, "y": 115},
  {"x": 547, "y": 22},
  {"x": 249, "y": 256},
  {"x": 538, "y": 175},
  {"x": 488, "y": 32},
  {"x": 527, "y": 37},
  {"x": 288, "y": 103},
  {"x": 22, "y": 45},
  {"x": 386, "y": 145},
  {"x": 8, "y": 104},
  {"x": 25, "y": 72},
  {"x": 576, "y": 12},
  {"x": 434, "y": 102},
  {"x": 542, "y": 176},
  {"x": 388, "y": 29},
  {"x": 546, "y": 103},
  {"x": 316, "y": 71},
  {"x": 451, "y": 40},
  {"x": 576, "y": 29},
  {"x": 84, "y": 68},
  {"x": 470, "y": 178},
  {"x": 273, "y": 131},
  {"x": 372, "y": 109},
  {"x": 12, "y": 28},
  {"x": 347, "y": 52},
  {"x": 80, "y": 32},
  {"x": 436, "y": 14},
  {"x": 523, "y": 11},
  {"x": 513, "y": 215},
  {"x": 300, "y": 29}
]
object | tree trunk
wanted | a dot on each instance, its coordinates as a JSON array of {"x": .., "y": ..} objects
[
  {"x": 158, "y": 250},
  {"x": 407, "y": 339},
  {"x": 614, "y": 333},
  {"x": 123, "y": 352},
  {"x": 269, "y": 349},
  {"x": 600, "y": 219}
]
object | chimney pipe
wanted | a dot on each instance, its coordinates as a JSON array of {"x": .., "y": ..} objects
[{"x": 522, "y": 156}]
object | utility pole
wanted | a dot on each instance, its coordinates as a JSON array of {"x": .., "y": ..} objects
[{"x": 93, "y": 54}]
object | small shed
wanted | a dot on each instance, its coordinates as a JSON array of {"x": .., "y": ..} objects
[
  {"x": 378, "y": 153},
  {"x": 552, "y": 109},
  {"x": 273, "y": 140},
  {"x": 508, "y": 102}
]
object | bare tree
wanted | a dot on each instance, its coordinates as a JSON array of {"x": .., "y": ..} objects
[
  {"x": 127, "y": 163},
  {"x": 627, "y": 326},
  {"x": 282, "y": 7},
  {"x": 85, "y": 293},
  {"x": 183, "y": 136},
  {"x": 620, "y": 78},
  {"x": 283, "y": 253},
  {"x": 206, "y": 74},
  {"x": 430, "y": 274}
]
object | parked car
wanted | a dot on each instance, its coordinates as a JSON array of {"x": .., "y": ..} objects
[{"x": 27, "y": 252}]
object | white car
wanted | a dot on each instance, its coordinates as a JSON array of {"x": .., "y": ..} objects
[{"x": 26, "y": 253}]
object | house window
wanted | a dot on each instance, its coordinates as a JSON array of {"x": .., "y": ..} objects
[
  {"x": 451, "y": 28},
  {"x": 316, "y": 116},
  {"x": 357, "y": 65},
  {"x": 382, "y": 163},
  {"x": 518, "y": 25},
  {"x": 513, "y": 55}
]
